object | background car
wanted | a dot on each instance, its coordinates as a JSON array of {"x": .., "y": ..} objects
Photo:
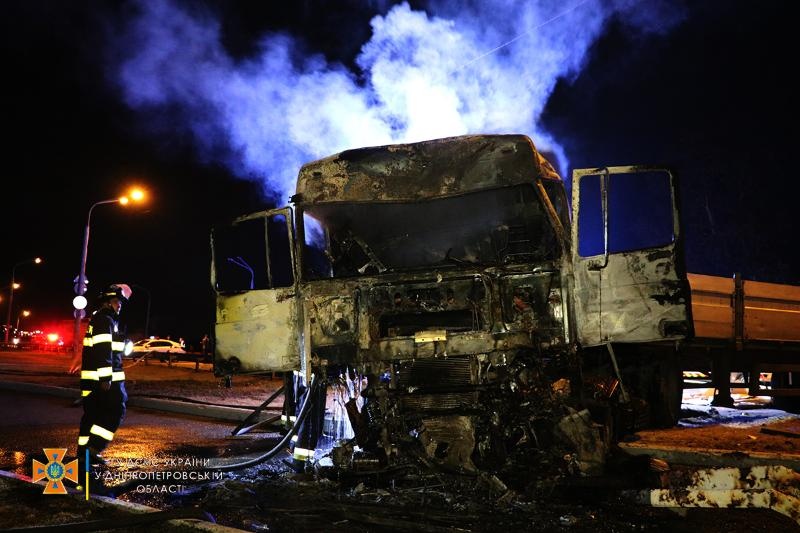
[{"x": 161, "y": 347}]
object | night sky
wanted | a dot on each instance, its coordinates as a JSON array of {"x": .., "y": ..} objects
[{"x": 706, "y": 95}]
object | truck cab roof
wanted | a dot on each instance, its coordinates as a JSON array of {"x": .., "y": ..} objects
[{"x": 417, "y": 171}]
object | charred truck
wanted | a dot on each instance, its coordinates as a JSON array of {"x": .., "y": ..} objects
[{"x": 436, "y": 303}]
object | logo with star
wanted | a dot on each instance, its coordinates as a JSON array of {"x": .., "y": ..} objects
[{"x": 55, "y": 470}]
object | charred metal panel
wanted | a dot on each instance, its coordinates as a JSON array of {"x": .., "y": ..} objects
[
  {"x": 257, "y": 331},
  {"x": 332, "y": 320},
  {"x": 768, "y": 487},
  {"x": 533, "y": 303},
  {"x": 456, "y": 344},
  {"x": 630, "y": 300},
  {"x": 632, "y": 296},
  {"x": 404, "y": 310},
  {"x": 450, "y": 439},
  {"x": 441, "y": 167}
]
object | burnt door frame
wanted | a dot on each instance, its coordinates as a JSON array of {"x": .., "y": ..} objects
[
  {"x": 257, "y": 330},
  {"x": 632, "y": 296}
]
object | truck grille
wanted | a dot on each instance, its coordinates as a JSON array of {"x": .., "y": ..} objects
[{"x": 433, "y": 373}]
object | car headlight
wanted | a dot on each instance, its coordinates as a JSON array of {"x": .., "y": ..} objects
[{"x": 128, "y": 348}]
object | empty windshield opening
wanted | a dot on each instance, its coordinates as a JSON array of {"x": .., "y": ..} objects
[{"x": 492, "y": 227}]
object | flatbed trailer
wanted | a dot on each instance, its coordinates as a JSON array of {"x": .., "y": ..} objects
[{"x": 744, "y": 326}]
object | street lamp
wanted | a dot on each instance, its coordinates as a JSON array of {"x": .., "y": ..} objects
[
  {"x": 14, "y": 286},
  {"x": 24, "y": 313},
  {"x": 135, "y": 194}
]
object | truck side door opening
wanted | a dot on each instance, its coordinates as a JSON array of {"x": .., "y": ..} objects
[
  {"x": 253, "y": 254},
  {"x": 254, "y": 276},
  {"x": 629, "y": 281}
]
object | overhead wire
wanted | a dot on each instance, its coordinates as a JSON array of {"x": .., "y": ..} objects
[{"x": 523, "y": 34}]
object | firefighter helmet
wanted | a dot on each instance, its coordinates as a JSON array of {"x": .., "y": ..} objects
[{"x": 116, "y": 290}]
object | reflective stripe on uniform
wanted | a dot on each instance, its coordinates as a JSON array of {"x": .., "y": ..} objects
[
  {"x": 118, "y": 376},
  {"x": 83, "y": 440},
  {"x": 117, "y": 346},
  {"x": 97, "y": 339},
  {"x": 289, "y": 418},
  {"x": 104, "y": 372},
  {"x": 102, "y": 432},
  {"x": 295, "y": 438},
  {"x": 89, "y": 374},
  {"x": 85, "y": 392},
  {"x": 302, "y": 454}
]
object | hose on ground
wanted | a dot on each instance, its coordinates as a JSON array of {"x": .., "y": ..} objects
[
  {"x": 304, "y": 409},
  {"x": 127, "y": 486}
]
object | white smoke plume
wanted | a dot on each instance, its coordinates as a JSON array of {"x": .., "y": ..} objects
[{"x": 487, "y": 66}]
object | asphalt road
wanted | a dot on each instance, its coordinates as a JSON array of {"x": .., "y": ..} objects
[
  {"x": 41, "y": 361},
  {"x": 29, "y": 423}
]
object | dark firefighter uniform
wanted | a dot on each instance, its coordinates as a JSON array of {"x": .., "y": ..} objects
[{"x": 102, "y": 377}]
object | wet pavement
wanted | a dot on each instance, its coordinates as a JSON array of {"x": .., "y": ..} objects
[
  {"x": 29, "y": 423},
  {"x": 271, "y": 497}
]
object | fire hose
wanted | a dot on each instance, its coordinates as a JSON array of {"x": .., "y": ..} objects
[
  {"x": 305, "y": 408},
  {"x": 301, "y": 416}
]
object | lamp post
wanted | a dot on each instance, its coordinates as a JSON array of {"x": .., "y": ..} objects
[
  {"x": 12, "y": 287},
  {"x": 24, "y": 313},
  {"x": 80, "y": 286}
]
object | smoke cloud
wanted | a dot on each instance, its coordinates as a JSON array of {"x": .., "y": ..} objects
[{"x": 486, "y": 66}]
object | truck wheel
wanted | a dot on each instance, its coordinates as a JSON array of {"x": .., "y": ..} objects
[
  {"x": 780, "y": 380},
  {"x": 668, "y": 389}
]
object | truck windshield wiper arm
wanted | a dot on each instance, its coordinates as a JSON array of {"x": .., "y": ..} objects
[
  {"x": 456, "y": 261},
  {"x": 373, "y": 259}
]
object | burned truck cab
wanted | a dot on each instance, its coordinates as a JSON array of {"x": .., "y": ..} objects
[
  {"x": 432, "y": 251},
  {"x": 429, "y": 285}
]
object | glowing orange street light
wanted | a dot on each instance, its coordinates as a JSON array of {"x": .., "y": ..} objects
[
  {"x": 137, "y": 195},
  {"x": 24, "y": 313}
]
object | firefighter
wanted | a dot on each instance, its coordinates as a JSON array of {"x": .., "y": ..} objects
[{"x": 102, "y": 377}]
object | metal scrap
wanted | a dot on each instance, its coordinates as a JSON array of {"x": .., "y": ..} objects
[{"x": 768, "y": 487}]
